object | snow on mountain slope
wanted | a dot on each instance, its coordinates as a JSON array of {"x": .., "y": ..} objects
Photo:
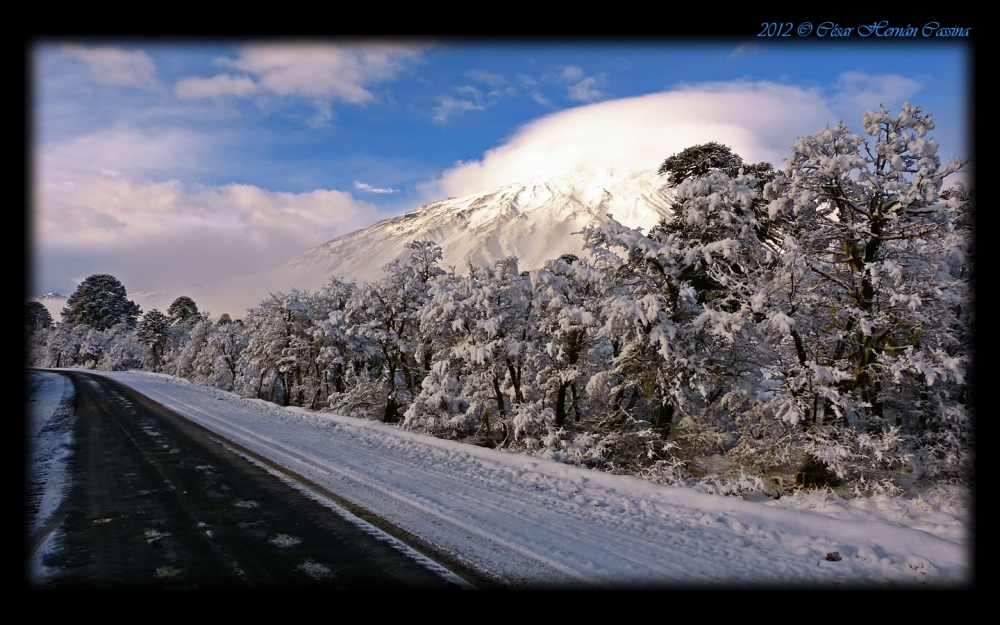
[
  {"x": 535, "y": 220},
  {"x": 53, "y": 302}
]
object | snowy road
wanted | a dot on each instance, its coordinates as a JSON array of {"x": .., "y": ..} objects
[
  {"x": 157, "y": 502},
  {"x": 530, "y": 522}
]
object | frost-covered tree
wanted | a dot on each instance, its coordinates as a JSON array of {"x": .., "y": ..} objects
[
  {"x": 61, "y": 348},
  {"x": 153, "y": 331},
  {"x": 442, "y": 404},
  {"x": 385, "y": 314},
  {"x": 225, "y": 344},
  {"x": 183, "y": 364},
  {"x": 705, "y": 172},
  {"x": 871, "y": 249},
  {"x": 698, "y": 160},
  {"x": 125, "y": 352},
  {"x": 210, "y": 355},
  {"x": 94, "y": 345},
  {"x": 647, "y": 320},
  {"x": 277, "y": 362},
  {"x": 480, "y": 377},
  {"x": 866, "y": 292},
  {"x": 338, "y": 351},
  {"x": 567, "y": 295},
  {"x": 679, "y": 315}
]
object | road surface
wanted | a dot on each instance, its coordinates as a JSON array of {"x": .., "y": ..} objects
[{"x": 157, "y": 501}]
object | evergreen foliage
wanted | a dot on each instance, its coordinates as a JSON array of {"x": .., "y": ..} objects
[
  {"x": 36, "y": 317},
  {"x": 698, "y": 160},
  {"x": 183, "y": 310},
  {"x": 100, "y": 302}
]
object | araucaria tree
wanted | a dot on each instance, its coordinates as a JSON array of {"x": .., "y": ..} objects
[
  {"x": 36, "y": 317},
  {"x": 183, "y": 310},
  {"x": 100, "y": 302}
]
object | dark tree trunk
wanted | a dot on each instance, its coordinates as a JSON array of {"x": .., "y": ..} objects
[
  {"x": 561, "y": 404},
  {"x": 663, "y": 416},
  {"x": 515, "y": 379},
  {"x": 576, "y": 403},
  {"x": 389, "y": 416},
  {"x": 499, "y": 398},
  {"x": 631, "y": 401},
  {"x": 619, "y": 395}
]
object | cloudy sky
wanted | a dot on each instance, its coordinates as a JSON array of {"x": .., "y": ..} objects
[{"x": 173, "y": 164}]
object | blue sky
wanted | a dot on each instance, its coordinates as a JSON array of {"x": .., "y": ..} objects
[{"x": 169, "y": 164}]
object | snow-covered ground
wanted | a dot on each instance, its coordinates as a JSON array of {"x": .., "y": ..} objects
[
  {"x": 534, "y": 522},
  {"x": 49, "y": 436}
]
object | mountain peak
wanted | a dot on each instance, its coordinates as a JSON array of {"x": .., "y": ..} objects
[{"x": 536, "y": 220}]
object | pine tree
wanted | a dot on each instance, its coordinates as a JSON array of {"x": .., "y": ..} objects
[
  {"x": 36, "y": 317},
  {"x": 183, "y": 310},
  {"x": 100, "y": 302},
  {"x": 698, "y": 160}
]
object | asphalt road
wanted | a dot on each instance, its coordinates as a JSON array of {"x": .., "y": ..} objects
[{"x": 158, "y": 502}]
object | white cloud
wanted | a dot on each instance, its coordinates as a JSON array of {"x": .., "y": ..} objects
[
  {"x": 214, "y": 87},
  {"x": 323, "y": 115},
  {"x": 364, "y": 186},
  {"x": 860, "y": 92},
  {"x": 119, "y": 151},
  {"x": 572, "y": 73},
  {"x": 746, "y": 48},
  {"x": 537, "y": 97},
  {"x": 336, "y": 72},
  {"x": 117, "y": 67},
  {"x": 97, "y": 211},
  {"x": 321, "y": 73},
  {"x": 583, "y": 87},
  {"x": 471, "y": 91},
  {"x": 449, "y": 106},
  {"x": 160, "y": 235},
  {"x": 760, "y": 121},
  {"x": 490, "y": 78},
  {"x": 584, "y": 91},
  {"x": 110, "y": 200}
]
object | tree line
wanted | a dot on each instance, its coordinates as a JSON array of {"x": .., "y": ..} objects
[{"x": 812, "y": 324}]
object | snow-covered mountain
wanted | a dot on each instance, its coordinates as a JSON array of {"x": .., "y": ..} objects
[
  {"x": 53, "y": 302},
  {"x": 535, "y": 220}
]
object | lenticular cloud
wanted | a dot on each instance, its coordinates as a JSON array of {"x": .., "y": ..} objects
[{"x": 758, "y": 120}]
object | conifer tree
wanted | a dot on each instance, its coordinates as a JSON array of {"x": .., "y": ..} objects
[{"x": 100, "y": 302}]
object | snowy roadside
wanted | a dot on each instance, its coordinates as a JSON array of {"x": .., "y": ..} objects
[
  {"x": 534, "y": 522},
  {"x": 49, "y": 436}
]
